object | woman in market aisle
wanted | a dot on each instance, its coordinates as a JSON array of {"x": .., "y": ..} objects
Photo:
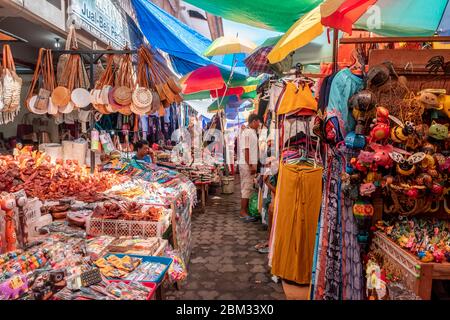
[
  {"x": 144, "y": 152},
  {"x": 270, "y": 180},
  {"x": 248, "y": 160}
]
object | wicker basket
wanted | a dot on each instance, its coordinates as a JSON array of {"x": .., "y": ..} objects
[{"x": 118, "y": 228}]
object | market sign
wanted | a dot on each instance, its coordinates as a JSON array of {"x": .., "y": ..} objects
[{"x": 102, "y": 19}]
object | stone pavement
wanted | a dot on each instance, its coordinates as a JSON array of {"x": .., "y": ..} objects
[{"x": 224, "y": 265}]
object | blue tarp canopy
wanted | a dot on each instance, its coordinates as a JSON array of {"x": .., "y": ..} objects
[{"x": 184, "y": 45}]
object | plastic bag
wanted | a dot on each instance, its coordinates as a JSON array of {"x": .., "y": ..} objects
[{"x": 253, "y": 205}]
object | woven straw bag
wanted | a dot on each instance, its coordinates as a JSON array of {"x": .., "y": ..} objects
[
  {"x": 12, "y": 84},
  {"x": 71, "y": 43},
  {"x": 38, "y": 102}
]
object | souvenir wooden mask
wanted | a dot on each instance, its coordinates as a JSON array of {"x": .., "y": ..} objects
[{"x": 438, "y": 131}]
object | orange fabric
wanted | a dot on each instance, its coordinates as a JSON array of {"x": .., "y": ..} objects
[
  {"x": 297, "y": 216},
  {"x": 297, "y": 98}
]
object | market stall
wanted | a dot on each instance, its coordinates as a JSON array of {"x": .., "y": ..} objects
[{"x": 126, "y": 208}]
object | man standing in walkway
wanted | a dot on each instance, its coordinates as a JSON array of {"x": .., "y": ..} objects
[{"x": 248, "y": 161}]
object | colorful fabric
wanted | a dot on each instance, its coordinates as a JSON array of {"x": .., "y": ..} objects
[
  {"x": 257, "y": 63},
  {"x": 298, "y": 212},
  {"x": 345, "y": 84},
  {"x": 267, "y": 14},
  {"x": 295, "y": 98},
  {"x": 337, "y": 269}
]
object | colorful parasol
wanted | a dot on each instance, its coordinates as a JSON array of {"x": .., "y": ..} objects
[
  {"x": 202, "y": 79},
  {"x": 300, "y": 34},
  {"x": 258, "y": 63},
  {"x": 342, "y": 14},
  {"x": 228, "y": 45}
]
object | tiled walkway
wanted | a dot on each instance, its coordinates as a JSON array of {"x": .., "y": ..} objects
[{"x": 224, "y": 264}]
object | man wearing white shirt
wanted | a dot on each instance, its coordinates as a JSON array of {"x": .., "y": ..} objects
[{"x": 248, "y": 160}]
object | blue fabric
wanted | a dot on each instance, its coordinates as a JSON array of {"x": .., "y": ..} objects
[
  {"x": 344, "y": 85},
  {"x": 444, "y": 27},
  {"x": 184, "y": 45},
  {"x": 146, "y": 159}
]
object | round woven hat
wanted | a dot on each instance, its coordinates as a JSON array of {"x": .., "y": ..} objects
[
  {"x": 61, "y": 96},
  {"x": 109, "y": 108},
  {"x": 100, "y": 108},
  {"x": 116, "y": 106},
  {"x": 126, "y": 111},
  {"x": 123, "y": 95},
  {"x": 142, "y": 97},
  {"x": 81, "y": 98}
]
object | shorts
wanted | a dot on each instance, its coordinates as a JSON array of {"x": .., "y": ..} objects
[{"x": 247, "y": 181}]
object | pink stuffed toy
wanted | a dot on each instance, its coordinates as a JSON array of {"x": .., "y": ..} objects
[{"x": 381, "y": 156}]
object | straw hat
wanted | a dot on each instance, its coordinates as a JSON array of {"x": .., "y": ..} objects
[
  {"x": 116, "y": 106},
  {"x": 126, "y": 111}
]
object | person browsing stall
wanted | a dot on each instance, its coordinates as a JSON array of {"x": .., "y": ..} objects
[
  {"x": 144, "y": 152},
  {"x": 248, "y": 160}
]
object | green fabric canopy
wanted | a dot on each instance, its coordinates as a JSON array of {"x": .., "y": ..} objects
[
  {"x": 266, "y": 14},
  {"x": 394, "y": 18}
]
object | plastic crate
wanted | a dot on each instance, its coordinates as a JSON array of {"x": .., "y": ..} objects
[
  {"x": 118, "y": 228},
  {"x": 153, "y": 287},
  {"x": 163, "y": 260}
]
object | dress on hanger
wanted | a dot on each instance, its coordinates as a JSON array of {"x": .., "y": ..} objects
[
  {"x": 345, "y": 84},
  {"x": 296, "y": 222}
]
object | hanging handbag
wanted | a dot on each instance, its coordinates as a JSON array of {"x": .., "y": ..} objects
[
  {"x": 11, "y": 85},
  {"x": 38, "y": 103},
  {"x": 71, "y": 43}
]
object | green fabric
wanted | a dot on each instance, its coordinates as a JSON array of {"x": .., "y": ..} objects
[
  {"x": 253, "y": 205},
  {"x": 406, "y": 17},
  {"x": 398, "y": 17},
  {"x": 266, "y": 14}
]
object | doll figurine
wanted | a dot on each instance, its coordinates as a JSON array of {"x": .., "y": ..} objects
[{"x": 8, "y": 205}]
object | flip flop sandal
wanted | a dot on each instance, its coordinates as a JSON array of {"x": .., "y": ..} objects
[
  {"x": 264, "y": 250},
  {"x": 248, "y": 219},
  {"x": 260, "y": 246}
]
